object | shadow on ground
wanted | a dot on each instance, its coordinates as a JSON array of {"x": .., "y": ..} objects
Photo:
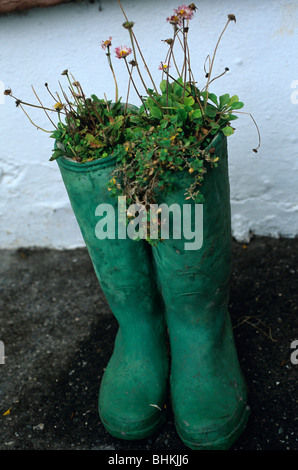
[{"x": 58, "y": 334}]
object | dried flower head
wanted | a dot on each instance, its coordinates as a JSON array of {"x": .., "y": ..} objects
[
  {"x": 7, "y": 92},
  {"x": 192, "y": 7},
  {"x": 174, "y": 20},
  {"x": 122, "y": 52},
  {"x": 128, "y": 24},
  {"x": 65, "y": 72},
  {"x": 107, "y": 43},
  {"x": 232, "y": 17},
  {"x": 168, "y": 41}
]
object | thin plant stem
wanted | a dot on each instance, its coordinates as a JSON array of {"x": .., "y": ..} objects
[
  {"x": 71, "y": 90},
  {"x": 135, "y": 58},
  {"x": 33, "y": 105},
  {"x": 113, "y": 73},
  {"x": 258, "y": 131},
  {"x": 139, "y": 49},
  {"x": 37, "y": 127},
  {"x": 46, "y": 113},
  {"x": 84, "y": 100},
  {"x": 212, "y": 61},
  {"x": 128, "y": 90},
  {"x": 185, "y": 59},
  {"x": 215, "y": 78},
  {"x": 134, "y": 85},
  {"x": 67, "y": 100},
  {"x": 127, "y": 97},
  {"x": 107, "y": 104},
  {"x": 47, "y": 87}
]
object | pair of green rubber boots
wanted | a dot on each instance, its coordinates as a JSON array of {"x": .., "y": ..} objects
[{"x": 160, "y": 293}]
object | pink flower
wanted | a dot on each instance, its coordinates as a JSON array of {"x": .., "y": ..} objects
[
  {"x": 164, "y": 67},
  {"x": 184, "y": 12},
  {"x": 122, "y": 52},
  {"x": 174, "y": 19},
  {"x": 107, "y": 43}
]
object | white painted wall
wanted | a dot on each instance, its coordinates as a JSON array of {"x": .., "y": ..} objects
[{"x": 260, "y": 51}]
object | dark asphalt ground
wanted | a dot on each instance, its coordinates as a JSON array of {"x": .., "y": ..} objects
[{"x": 58, "y": 334}]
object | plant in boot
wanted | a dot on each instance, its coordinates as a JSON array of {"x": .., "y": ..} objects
[
  {"x": 172, "y": 131},
  {"x": 175, "y": 124}
]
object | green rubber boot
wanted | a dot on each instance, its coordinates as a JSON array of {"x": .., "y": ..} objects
[
  {"x": 208, "y": 391},
  {"x": 133, "y": 390}
]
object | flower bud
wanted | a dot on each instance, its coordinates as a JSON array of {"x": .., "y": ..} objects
[
  {"x": 128, "y": 24},
  {"x": 232, "y": 17}
]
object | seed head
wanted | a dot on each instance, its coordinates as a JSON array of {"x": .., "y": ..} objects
[
  {"x": 128, "y": 24},
  {"x": 168, "y": 41},
  {"x": 192, "y": 7}
]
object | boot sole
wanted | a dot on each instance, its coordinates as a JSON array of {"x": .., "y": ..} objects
[
  {"x": 134, "y": 434},
  {"x": 223, "y": 443}
]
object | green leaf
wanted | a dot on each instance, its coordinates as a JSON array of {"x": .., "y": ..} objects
[
  {"x": 228, "y": 130},
  {"x": 204, "y": 95},
  {"x": 189, "y": 101},
  {"x": 237, "y": 105},
  {"x": 56, "y": 154},
  {"x": 182, "y": 114},
  {"x": 223, "y": 100},
  {"x": 119, "y": 123},
  {"x": 178, "y": 89},
  {"x": 211, "y": 111},
  {"x": 233, "y": 117},
  {"x": 196, "y": 114},
  {"x": 233, "y": 99},
  {"x": 212, "y": 97},
  {"x": 163, "y": 123},
  {"x": 163, "y": 86},
  {"x": 155, "y": 112}
]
